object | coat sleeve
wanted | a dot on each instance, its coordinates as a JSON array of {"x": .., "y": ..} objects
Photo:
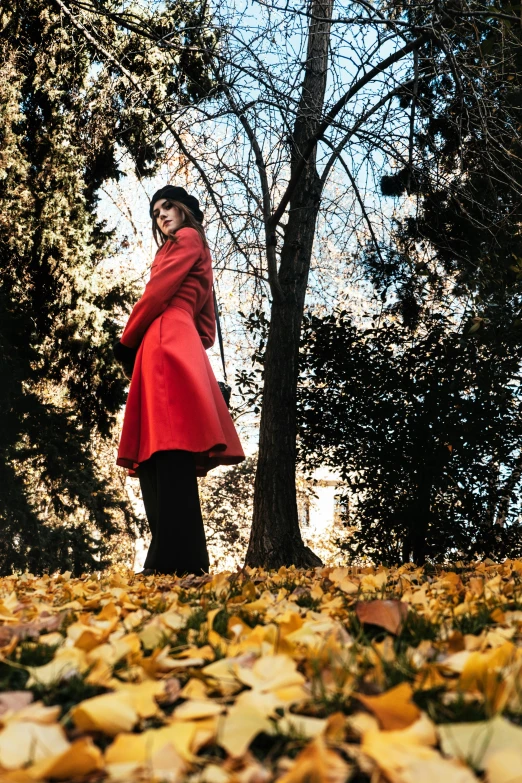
[
  {"x": 173, "y": 268},
  {"x": 206, "y": 322}
]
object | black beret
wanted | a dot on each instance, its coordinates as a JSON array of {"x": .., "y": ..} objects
[{"x": 178, "y": 194}]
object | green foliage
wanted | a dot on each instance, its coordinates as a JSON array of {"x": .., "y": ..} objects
[
  {"x": 227, "y": 499},
  {"x": 464, "y": 235},
  {"x": 68, "y": 114},
  {"x": 425, "y": 427}
]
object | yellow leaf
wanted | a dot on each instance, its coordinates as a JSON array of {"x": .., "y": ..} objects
[
  {"x": 217, "y": 642},
  {"x": 66, "y": 661},
  {"x": 153, "y": 634},
  {"x": 194, "y": 709},
  {"x": 236, "y": 628},
  {"x": 395, "y": 708},
  {"x": 479, "y": 665},
  {"x": 142, "y": 695},
  {"x": 317, "y": 763},
  {"x": 205, "y": 732},
  {"x": 402, "y": 759},
  {"x": 167, "y": 764},
  {"x": 116, "y": 649},
  {"x": 109, "y": 612},
  {"x": 313, "y": 633},
  {"x": 194, "y": 689},
  {"x": 266, "y": 702},
  {"x": 485, "y": 672},
  {"x": 373, "y": 582},
  {"x": 111, "y": 713},
  {"x": 100, "y": 674},
  {"x": 220, "y": 583},
  {"x": 173, "y": 620},
  {"x": 341, "y": 578},
  {"x": 270, "y": 672},
  {"x": 429, "y": 677},
  {"x": 303, "y": 725},
  {"x": 81, "y": 758},
  {"x": 214, "y": 774},
  {"x": 362, "y": 722},
  {"x": 479, "y": 741},
  {"x": 317, "y": 591},
  {"x": 211, "y": 617},
  {"x": 34, "y": 713},
  {"x": 457, "y": 661},
  {"x": 53, "y": 639},
  {"x": 505, "y": 766},
  {"x": 205, "y": 652},
  {"x": 239, "y": 728},
  {"x": 23, "y": 742},
  {"x": 140, "y": 747}
]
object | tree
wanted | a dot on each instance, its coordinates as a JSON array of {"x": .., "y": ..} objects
[
  {"x": 226, "y": 501},
  {"x": 416, "y": 422},
  {"x": 66, "y": 118}
]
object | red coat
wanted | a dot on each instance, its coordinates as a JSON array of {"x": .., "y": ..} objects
[{"x": 174, "y": 400}]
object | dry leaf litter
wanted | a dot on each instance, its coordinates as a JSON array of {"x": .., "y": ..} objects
[{"x": 328, "y": 675}]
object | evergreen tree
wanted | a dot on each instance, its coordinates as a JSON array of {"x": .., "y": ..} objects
[
  {"x": 67, "y": 117},
  {"x": 463, "y": 168},
  {"x": 426, "y": 429}
]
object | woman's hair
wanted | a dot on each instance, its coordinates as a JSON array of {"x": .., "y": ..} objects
[{"x": 188, "y": 220}]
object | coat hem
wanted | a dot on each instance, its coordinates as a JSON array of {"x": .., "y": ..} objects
[{"x": 205, "y": 460}]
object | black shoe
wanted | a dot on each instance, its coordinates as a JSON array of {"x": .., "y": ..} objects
[{"x": 146, "y": 572}]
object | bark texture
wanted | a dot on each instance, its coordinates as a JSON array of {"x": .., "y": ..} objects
[{"x": 275, "y": 538}]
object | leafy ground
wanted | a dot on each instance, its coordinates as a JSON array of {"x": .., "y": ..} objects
[{"x": 334, "y": 674}]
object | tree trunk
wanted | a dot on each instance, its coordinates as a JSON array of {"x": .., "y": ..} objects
[
  {"x": 421, "y": 516},
  {"x": 275, "y": 538},
  {"x": 507, "y": 493}
]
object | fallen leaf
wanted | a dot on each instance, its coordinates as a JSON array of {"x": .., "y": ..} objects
[
  {"x": 505, "y": 766},
  {"x": 23, "y": 743},
  {"x": 31, "y": 630},
  {"x": 389, "y": 615},
  {"x": 317, "y": 763},
  {"x": 302, "y": 725},
  {"x": 81, "y": 758},
  {"x": 239, "y": 727},
  {"x": 12, "y": 701},
  {"x": 197, "y": 708},
  {"x": 270, "y": 673},
  {"x": 137, "y": 748},
  {"x": 142, "y": 695},
  {"x": 111, "y": 713},
  {"x": 194, "y": 689},
  {"x": 67, "y": 661},
  {"x": 35, "y": 712},
  {"x": 477, "y": 742},
  {"x": 171, "y": 691},
  {"x": 394, "y": 709},
  {"x": 403, "y": 759}
]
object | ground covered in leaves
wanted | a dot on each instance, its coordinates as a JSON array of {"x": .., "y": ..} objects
[{"x": 323, "y": 676}]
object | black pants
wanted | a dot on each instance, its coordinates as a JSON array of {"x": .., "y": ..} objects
[{"x": 169, "y": 488}]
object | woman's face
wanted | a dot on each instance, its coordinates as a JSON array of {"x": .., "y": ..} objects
[{"x": 168, "y": 217}]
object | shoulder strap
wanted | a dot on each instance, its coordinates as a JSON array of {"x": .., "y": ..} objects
[{"x": 216, "y": 310}]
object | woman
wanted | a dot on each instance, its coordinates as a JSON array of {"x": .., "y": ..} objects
[{"x": 176, "y": 425}]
